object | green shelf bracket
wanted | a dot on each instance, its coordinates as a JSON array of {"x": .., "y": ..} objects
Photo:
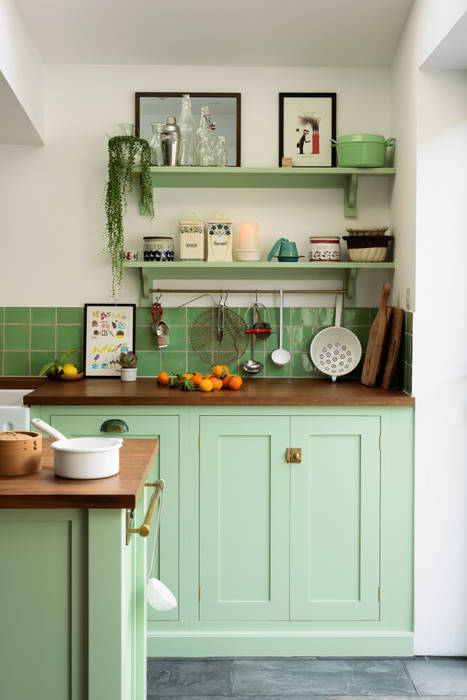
[
  {"x": 147, "y": 275},
  {"x": 350, "y": 196},
  {"x": 351, "y": 283}
]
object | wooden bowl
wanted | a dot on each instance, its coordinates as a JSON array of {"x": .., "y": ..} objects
[
  {"x": 71, "y": 377},
  {"x": 20, "y": 452}
]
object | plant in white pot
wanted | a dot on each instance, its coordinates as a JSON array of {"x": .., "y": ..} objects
[{"x": 128, "y": 362}]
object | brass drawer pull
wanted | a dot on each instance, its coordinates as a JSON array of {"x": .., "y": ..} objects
[
  {"x": 114, "y": 425},
  {"x": 145, "y": 529},
  {"x": 293, "y": 455}
]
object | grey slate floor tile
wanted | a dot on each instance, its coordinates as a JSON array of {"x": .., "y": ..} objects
[
  {"x": 189, "y": 677},
  {"x": 438, "y": 676},
  {"x": 335, "y": 677}
]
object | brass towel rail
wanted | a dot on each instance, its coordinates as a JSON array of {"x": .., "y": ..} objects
[
  {"x": 247, "y": 291},
  {"x": 145, "y": 528}
]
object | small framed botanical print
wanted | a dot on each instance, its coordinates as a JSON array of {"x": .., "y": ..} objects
[
  {"x": 307, "y": 123},
  {"x": 109, "y": 329}
]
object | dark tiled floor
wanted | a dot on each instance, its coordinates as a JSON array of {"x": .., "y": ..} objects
[{"x": 306, "y": 678}]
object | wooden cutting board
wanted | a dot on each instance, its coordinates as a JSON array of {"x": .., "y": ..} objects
[
  {"x": 376, "y": 340},
  {"x": 393, "y": 346}
]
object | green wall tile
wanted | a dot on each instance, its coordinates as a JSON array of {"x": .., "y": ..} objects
[
  {"x": 1, "y": 342},
  {"x": 362, "y": 333},
  {"x": 42, "y": 338},
  {"x": 173, "y": 362},
  {"x": 17, "y": 363},
  {"x": 16, "y": 337},
  {"x": 69, "y": 337},
  {"x": 149, "y": 364},
  {"x": 39, "y": 359},
  {"x": 407, "y": 341},
  {"x": 326, "y": 316},
  {"x": 308, "y": 317},
  {"x": 355, "y": 317},
  {"x": 408, "y": 322},
  {"x": 194, "y": 364},
  {"x": 271, "y": 370},
  {"x": 175, "y": 317},
  {"x": 177, "y": 338},
  {"x": 2, "y": 313},
  {"x": 302, "y": 337},
  {"x": 69, "y": 314},
  {"x": 43, "y": 314},
  {"x": 17, "y": 314},
  {"x": 195, "y": 311},
  {"x": 272, "y": 342},
  {"x": 143, "y": 316},
  {"x": 302, "y": 366},
  {"x": 145, "y": 339},
  {"x": 272, "y": 314}
]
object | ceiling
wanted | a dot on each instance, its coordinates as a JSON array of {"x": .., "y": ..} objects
[{"x": 226, "y": 32}]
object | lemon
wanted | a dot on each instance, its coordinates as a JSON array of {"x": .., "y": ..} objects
[{"x": 69, "y": 369}]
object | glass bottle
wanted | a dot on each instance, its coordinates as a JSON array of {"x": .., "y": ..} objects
[
  {"x": 221, "y": 154},
  {"x": 127, "y": 129},
  {"x": 155, "y": 143},
  {"x": 187, "y": 133},
  {"x": 204, "y": 155}
]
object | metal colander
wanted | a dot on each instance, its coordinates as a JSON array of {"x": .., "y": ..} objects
[{"x": 218, "y": 335}]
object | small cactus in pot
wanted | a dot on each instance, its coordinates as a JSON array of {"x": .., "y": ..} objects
[{"x": 128, "y": 362}]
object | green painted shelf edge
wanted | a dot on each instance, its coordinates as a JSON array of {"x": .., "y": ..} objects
[
  {"x": 292, "y": 178},
  {"x": 344, "y": 271}
]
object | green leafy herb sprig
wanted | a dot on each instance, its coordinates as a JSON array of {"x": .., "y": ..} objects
[{"x": 121, "y": 170}]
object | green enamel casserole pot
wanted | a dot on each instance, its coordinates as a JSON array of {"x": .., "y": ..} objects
[{"x": 361, "y": 150}]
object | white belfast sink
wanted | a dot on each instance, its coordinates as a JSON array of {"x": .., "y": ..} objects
[{"x": 13, "y": 415}]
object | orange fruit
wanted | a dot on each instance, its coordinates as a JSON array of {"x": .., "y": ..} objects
[
  {"x": 163, "y": 378},
  {"x": 206, "y": 385},
  {"x": 187, "y": 376},
  {"x": 226, "y": 380},
  {"x": 220, "y": 371},
  {"x": 235, "y": 383},
  {"x": 197, "y": 378},
  {"x": 217, "y": 384}
]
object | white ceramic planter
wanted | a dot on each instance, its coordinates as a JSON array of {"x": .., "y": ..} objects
[{"x": 128, "y": 374}]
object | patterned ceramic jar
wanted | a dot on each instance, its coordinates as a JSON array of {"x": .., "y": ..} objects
[
  {"x": 158, "y": 249},
  {"x": 324, "y": 248},
  {"x": 191, "y": 232},
  {"x": 220, "y": 239}
]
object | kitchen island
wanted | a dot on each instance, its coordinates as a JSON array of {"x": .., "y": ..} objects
[
  {"x": 72, "y": 590},
  {"x": 287, "y": 527}
]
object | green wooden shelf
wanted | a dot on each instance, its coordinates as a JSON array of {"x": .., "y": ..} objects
[
  {"x": 292, "y": 178},
  {"x": 344, "y": 271}
]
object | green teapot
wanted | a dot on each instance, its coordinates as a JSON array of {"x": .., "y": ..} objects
[{"x": 285, "y": 251}]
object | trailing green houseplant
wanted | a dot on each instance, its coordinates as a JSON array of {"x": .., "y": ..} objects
[{"x": 123, "y": 151}]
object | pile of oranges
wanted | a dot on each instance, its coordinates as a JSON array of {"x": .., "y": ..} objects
[{"x": 219, "y": 378}]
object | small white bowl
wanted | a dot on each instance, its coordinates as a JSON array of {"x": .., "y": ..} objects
[{"x": 253, "y": 255}]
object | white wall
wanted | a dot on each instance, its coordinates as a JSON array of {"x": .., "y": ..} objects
[
  {"x": 23, "y": 71},
  {"x": 429, "y": 113},
  {"x": 51, "y": 199}
]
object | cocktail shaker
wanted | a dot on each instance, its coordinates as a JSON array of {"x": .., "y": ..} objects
[{"x": 170, "y": 141}]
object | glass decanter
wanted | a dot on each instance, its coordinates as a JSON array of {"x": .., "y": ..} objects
[
  {"x": 187, "y": 133},
  {"x": 221, "y": 154},
  {"x": 204, "y": 154},
  {"x": 155, "y": 143}
]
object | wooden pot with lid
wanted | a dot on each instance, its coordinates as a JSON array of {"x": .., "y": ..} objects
[{"x": 20, "y": 452}]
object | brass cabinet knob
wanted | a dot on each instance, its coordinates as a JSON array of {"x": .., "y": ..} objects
[{"x": 294, "y": 455}]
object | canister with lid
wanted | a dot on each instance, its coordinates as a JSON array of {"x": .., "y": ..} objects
[
  {"x": 324, "y": 248},
  {"x": 191, "y": 233},
  {"x": 220, "y": 239},
  {"x": 158, "y": 249}
]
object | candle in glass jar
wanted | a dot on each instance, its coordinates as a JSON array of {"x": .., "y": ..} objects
[{"x": 248, "y": 237}]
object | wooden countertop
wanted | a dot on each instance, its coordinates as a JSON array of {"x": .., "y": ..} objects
[
  {"x": 45, "y": 490},
  {"x": 254, "y": 392}
]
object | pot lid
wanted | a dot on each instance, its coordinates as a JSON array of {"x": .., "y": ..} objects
[
  {"x": 191, "y": 218},
  {"x": 220, "y": 218},
  {"x": 157, "y": 238},
  {"x": 373, "y": 138}
]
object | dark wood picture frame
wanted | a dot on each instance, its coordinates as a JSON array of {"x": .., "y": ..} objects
[
  {"x": 330, "y": 95},
  {"x": 236, "y": 95},
  {"x": 85, "y": 335}
]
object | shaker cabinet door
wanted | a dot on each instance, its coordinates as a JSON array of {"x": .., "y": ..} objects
[
  {"x": 335, "y": 516},
  {"x": 244, "y": 518}
]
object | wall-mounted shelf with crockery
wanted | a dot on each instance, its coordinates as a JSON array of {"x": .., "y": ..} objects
[
  {"x": 288, "y": 178},
  {"x": 346, "y": 272}
]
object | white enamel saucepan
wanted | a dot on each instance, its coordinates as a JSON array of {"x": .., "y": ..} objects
[
  {"x": 336, "y": 351},
  {"x": 82, "y": 458}
]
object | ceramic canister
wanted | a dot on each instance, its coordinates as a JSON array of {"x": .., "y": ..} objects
[
  {"x": 191, "y": 233},
  {"x": 220, "y": 239},
  {"x": 158, "y": 249},
  {"x": 324, "y": 248}
]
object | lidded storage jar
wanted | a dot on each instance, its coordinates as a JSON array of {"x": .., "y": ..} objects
[
  {"x": 324, "y": 248},
  {"x": 220, "y": 239},
  {"x": 158, "y": 248},
  {"x": 191, "y": 233}
]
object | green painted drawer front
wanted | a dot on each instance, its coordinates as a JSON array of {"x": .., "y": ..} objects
[
  {"x": 244, "y": 520},
  {"x": 166, "y": 428},
  {"x": 335, "y": 528}
]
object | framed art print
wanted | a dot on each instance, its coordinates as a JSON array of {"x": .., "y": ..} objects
[
  {"x": 109, "y": 329},
  {"x": 307, "y": 123}
]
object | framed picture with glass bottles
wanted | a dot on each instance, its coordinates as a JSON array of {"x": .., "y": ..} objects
[{"x": 213, "y": 119}]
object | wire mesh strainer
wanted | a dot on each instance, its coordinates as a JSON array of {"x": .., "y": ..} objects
[{"x": 218, "y": 336}]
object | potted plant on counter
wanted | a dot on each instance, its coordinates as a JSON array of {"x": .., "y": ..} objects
[{"x": 128, "y": 362}]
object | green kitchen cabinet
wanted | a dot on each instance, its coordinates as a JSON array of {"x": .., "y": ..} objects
[
  {"x": 335, "y": 518},
  {"x": 244, "y": 522}
]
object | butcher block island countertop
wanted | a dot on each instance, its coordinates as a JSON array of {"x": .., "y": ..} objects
[
  {"x": 254, "y": 392},
  {"x": 44, "y": 490}
]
